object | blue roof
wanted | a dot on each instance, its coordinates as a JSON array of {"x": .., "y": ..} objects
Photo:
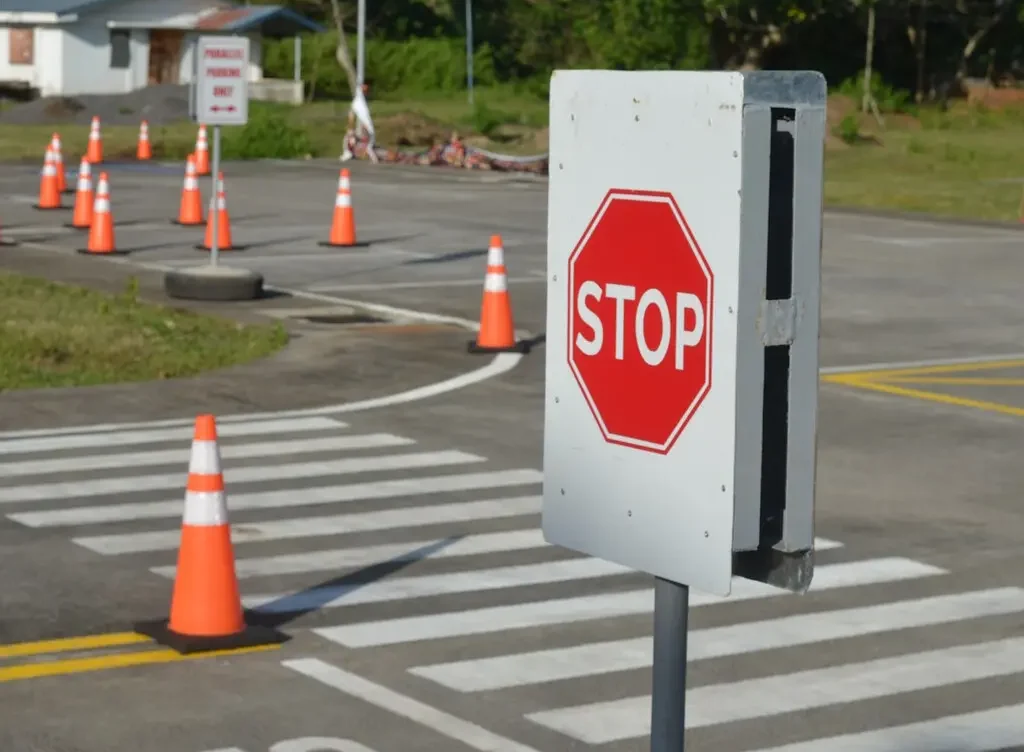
[{"x": 271, "y": 20}]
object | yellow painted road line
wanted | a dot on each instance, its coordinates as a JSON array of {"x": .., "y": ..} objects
[
  {"x": 930, "y": 370},
  {"x": 107, "y": 662},
  {"x": 67, "y": 644},
  {"x": 955, "y": 381},
  {"x": 920, "y": 394}
]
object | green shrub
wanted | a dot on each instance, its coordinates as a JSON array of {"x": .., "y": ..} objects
[
  {"x": 886, "y": 97},
  {"x": 486, "y": 120},
  {"x": 848, "y": 130},
  {"x": 268, "y": 135}
]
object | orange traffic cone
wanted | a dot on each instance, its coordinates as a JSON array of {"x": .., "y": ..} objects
[
  {"x": 144, "y": 150},
  {"x": 58, "y": 161},
  {"x": 343, "y": 226},
  {"x": 84, "y": 198},
  {"x": 101, "y": 231},
  {"x": 202, "y": 152},
  {"x": 206, "y": 607},
  {"x": 497, "y": 333},
  {"x": 219, "y": 204},
  {"x": 190, "y": 211},
  {"x": 95, "y": 151},
  {"x": 49, "y": 193}
]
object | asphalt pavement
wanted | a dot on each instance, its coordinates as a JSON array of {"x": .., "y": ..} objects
[{"x": 398, "y": 544}]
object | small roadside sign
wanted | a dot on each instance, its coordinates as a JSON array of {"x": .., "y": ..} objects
[{"x": 222, "y": 80}]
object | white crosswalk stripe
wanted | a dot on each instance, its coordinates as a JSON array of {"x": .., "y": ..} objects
[{"x": 434, "y": 553}]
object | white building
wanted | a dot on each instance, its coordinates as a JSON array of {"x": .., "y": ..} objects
[{"x": 66, "y": 47}]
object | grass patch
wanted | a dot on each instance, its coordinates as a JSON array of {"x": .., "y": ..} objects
[
  {"x": 503, "y": 119},
  {"x": 960, "y": 163},
  {"x": 963, "y": 163},
  {"x": 54, "y": 335}
]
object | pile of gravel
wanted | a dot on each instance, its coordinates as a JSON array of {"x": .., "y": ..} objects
[{"x": 159, "y": 105}]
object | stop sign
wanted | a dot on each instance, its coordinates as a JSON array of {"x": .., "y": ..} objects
[{"x": 640, "y": 310}]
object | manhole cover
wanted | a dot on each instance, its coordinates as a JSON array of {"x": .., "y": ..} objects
[{"x": 343, "y": 318}]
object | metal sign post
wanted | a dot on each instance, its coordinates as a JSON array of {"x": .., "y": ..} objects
[
  {"x": 215, "y": 196},
  {"x": 668, "y": 699},
  {"x": 222, "y": 98},
  {"x": 683, "y": 311}
]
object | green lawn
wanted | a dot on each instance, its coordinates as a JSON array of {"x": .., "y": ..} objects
[
  {"x": 967, "y": 162},
  {"x": 54, "y": 335}
]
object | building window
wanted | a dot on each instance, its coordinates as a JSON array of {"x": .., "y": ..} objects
[
  {"x": 21, "y": 46},
  {"x": 120, "y": 49}
]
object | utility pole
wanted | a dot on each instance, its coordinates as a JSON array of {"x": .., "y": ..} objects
[
  {"x": 868, "y": 102},
  {"x": 922, "y": 39},
  {"x": 361, "y": 44},
  {"x": 469, "y": 49},
  {"x": 869, "y": 56}
]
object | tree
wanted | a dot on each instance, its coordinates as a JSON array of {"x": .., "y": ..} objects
[
  {"x": 745, "y": 30},
  {"x": 341, "y": 53}
]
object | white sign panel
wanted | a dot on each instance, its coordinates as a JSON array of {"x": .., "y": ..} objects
[
  {"x": 222, "y": 80},
  {"x": 681, "y": 375}
]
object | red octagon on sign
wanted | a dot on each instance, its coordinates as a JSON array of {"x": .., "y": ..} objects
[{"x": 640, "y": 311}]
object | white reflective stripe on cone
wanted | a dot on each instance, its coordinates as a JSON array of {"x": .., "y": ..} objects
[
  {"x": 205, "y": 509},
  {"x": 495, "y": 283},
  {"x": 102, "y": 206},
  {"x": 205, "y": 458},
  {"x": 343, "y": 200},
  {"x": 495, "y": 256}
]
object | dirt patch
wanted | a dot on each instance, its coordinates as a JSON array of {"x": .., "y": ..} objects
[
  {"x": 411, "y": 129},
  {"x": 159, "y": 105}
]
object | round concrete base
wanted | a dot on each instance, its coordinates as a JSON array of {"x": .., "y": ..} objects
[{"x": 213, "y": 283}]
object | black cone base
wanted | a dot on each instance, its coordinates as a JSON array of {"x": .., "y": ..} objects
[
  {"x": 519, "y": 347},
  {"x": 250, "y": 637},
  {"x": 357, "y": 244}
]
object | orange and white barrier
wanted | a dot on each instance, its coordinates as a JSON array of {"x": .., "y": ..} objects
[
  {"x": 206, "y": 607},
  {"x": 497, "y": 331},
  {"x": 144, "y": 151},
  {"x": 49, "y": 192},
  {"x": 343, "y": 223},
  {"x": 101, "y": 231},
  {"x": 95, "y": 151},
  {"x": 84, "y": 197},
  {"x": 190, "y": 211}
]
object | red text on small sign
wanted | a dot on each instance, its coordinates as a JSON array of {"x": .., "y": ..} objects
[
  {"x": 224, "y": 54},
  {"x": 224, "y": 72},
  {"x": 223, "y": 91}
]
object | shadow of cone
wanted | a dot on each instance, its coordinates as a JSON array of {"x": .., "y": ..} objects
[
  {"x": 206, "y": 607},
  {"x": 497, "y": 331},
  {"x": 343, "y": 225}
]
